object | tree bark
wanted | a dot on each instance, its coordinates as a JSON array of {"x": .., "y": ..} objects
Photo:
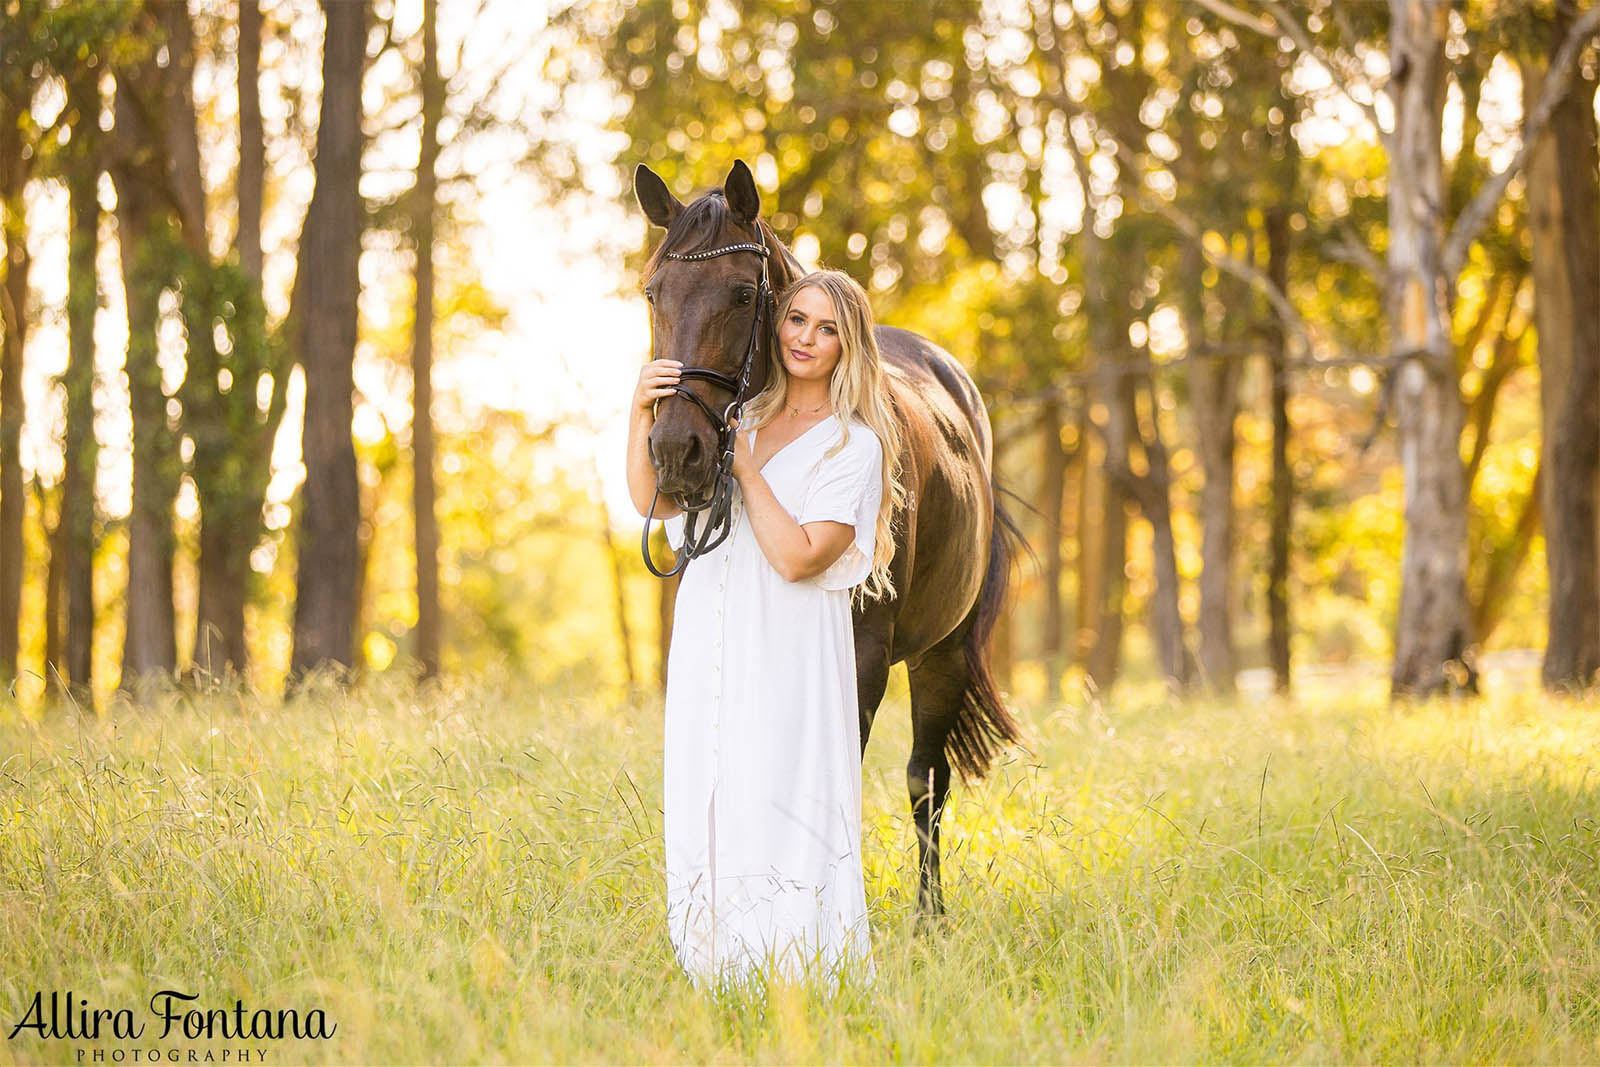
[
  {"x": 1433, "y": 639},
  {"x": 179, "y": 131},
  {"x": 325, "y": 601},
  {"x": 1103, "y": 552},
  {"x": 252, "y": 139},
  {"x": 225, "y": 463},
  {"x": 54, "y": 588},
  {"x": 150, "y": 641},
  {"x": 77, "y": 534},
  {"x": 1277, "y": 225},
  {"x": 1563, "y": 186},
  {"x": 1214, "y": 389},
  {"x": 1151, "y": 490},
  {"x": 423, "y": 492},
  {"x": 1102, "y": 577},
  {"x": 13, "y": 339}
]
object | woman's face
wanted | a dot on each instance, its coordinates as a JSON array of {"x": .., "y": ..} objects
[{"x": 809, "y": 336}]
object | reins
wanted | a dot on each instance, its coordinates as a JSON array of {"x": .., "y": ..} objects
[{"x": 718, "y": 507}]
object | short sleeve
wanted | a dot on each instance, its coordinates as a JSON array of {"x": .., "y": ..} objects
[{"x": 848, "y": 488}]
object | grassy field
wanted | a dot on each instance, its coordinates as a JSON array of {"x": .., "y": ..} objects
[{"x": 476, "y": 875}]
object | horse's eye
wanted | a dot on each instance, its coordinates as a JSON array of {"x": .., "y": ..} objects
[
  {"x": 650, "y": 297},
  {"x": 744, "y": 297}
]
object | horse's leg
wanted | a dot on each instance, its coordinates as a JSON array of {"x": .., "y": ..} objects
[
  {"x": 873, "y": 639},
  {"x": 938, "y": 683}
]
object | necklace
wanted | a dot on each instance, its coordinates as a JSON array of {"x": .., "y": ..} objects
[{"x": 806, "y": 411}]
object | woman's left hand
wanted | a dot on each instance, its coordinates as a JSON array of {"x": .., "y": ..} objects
[{"x": 744, "y": 460}]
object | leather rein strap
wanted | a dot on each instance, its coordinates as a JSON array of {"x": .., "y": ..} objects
[{"x": 718, "y": 507}]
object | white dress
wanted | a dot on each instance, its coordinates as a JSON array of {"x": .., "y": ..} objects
[{"x": 762, "y": 774}]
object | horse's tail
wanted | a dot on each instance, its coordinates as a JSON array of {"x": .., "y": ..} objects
[{"x": 984, "y": 725}]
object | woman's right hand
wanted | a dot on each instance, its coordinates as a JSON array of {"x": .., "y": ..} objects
[{"x": 657, "y": 379}]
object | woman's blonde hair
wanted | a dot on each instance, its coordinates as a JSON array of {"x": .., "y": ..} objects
[{"x": 856, "y": 390}]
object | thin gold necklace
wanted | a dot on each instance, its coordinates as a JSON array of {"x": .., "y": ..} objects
[{"x": 809, "y": 411}]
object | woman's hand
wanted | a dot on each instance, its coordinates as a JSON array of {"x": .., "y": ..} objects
[
  {"x": 657, "y": 379},
  {"x": 744, "y": 460}
]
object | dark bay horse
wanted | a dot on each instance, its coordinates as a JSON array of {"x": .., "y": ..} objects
[{"x": 953, "y": 542}]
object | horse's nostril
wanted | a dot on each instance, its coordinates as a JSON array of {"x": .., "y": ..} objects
[{"x": 691, "y": 455}]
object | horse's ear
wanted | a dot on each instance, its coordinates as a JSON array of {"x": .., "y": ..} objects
[
  {"x": 740, "y": 191},
  {"x": 659, "y": 205}
]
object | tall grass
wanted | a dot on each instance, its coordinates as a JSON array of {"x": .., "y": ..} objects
[{"x": 476, "y": 875}]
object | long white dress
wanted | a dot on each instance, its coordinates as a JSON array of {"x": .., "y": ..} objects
[{"x": 762, "y": 774}]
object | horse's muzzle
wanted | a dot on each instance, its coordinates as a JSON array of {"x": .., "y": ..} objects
[{"x": 685, "y": 467}]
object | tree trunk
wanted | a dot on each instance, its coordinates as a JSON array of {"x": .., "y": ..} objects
[
  {"x": 224, "y": 576},
  {"x": 619, "y": 590},
  {"x": 1103, "y": 560},
  {"x": 326, "y": 585},
  {"x": 252, "y": 139},
  {"x": 1152, "y": 491},
  {"x": 77, "y": 534},
  {"x": 1214, "y": 389},
  {"x": 150, "y": 641},
  {"x": 1433, "y": 639},
  {"x": 1563, "y": 183},
  {"x": 1053, "y": 474},
  {"x": 1103, "y": 553},
  {"x": 54, "y": 587},
  {"x": 423, "y": 493},
  {"x": 232, "y": 455},
  {"x": 227, "y": 463},
  {"x": 1282, "y": 476},
  {"x": 13, "y": 338}
]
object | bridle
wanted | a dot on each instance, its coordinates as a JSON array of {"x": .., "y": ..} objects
[{"x": 718, "y": 507}]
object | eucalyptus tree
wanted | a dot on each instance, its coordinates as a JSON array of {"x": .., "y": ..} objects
[
  {"x": 1563, "y": 192},
  {"x": 22, "y": 67},
  {"x": 1429, "y": 238},
  {"x": 329, "y": 560},
  {"x": 233, "y": 393},
  {"x": 426, "y": 195},
  {"x": 146, "y": 116}
]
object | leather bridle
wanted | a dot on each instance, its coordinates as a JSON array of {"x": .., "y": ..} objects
[{"x": 718, "y": 507}]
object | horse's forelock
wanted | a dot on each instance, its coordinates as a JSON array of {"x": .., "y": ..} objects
[{"x": 694, "y": 230}]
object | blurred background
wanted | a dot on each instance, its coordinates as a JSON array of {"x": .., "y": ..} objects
[{"x": 320, "y": 322}]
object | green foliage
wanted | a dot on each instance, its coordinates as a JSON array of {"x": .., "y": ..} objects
[
  {"x": 525, "y": 579},
  {"x": 229, "y": 357}
]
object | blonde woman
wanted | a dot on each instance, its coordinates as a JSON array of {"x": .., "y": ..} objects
[{"x": 762, "y": 764}]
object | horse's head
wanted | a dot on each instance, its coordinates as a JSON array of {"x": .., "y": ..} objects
[{"x": 702, "y": 313}]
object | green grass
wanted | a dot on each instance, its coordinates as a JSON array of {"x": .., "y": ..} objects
[{"x": 476, "y": 875}]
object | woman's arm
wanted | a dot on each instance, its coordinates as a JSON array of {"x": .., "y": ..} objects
[
  {"x": 796, "y": 552},
  {"x": 657, "y": 379}
]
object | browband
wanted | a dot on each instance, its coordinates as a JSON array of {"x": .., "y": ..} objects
[{"x": 760, "y": 250}]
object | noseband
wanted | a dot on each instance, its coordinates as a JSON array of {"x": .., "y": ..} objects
[{"x": 718, "y": 507}]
